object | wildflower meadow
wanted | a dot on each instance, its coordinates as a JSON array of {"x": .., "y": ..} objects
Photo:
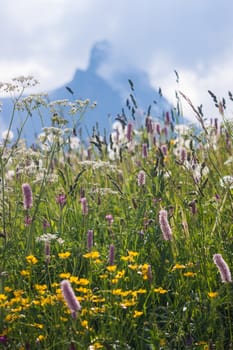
[{"x": 116, "y": 241}]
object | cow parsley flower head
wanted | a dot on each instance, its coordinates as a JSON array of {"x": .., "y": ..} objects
[{"x": 227, "y": 181}]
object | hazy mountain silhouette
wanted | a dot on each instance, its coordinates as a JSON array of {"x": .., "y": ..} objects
[{"x": 110, "y": 99}]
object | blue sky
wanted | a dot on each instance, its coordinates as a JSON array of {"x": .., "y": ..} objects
[{"x": 52, "y": 38}]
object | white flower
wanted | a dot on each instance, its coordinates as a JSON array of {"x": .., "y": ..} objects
[
  {"x": 228, "y": 161},
  {"x": 200, "y": 171},
  {"x": 74, "y": 142},
  {"x": 48, "y": 237},
  {"x": 226, "y": 181},
  {"x": 182, "y": 129},
  {"x": 10, "y": 175}
]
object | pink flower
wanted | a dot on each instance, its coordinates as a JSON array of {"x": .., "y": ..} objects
[
  {"x": 61, "y": 199},
  {"x": 27, "y": 220},
  {"x": 109, "y": 218},
  {"x": 70, "y": 298},
  {"x": 167, "y": 118},
  {"x": 164, "y": 149},
  {"x": 84, "y": 205},
  {"x": 158, "y": 130},
  {"x": 223, "y": 268},
  {"x": 89, "y": 240},
  {"x": 3, "y": 339},
  {"x": 47, "y": 252},
  {"x": 144, "y": 150},
  {"x": 164, "y": 225},
  {"x": 111, "y": 254},
  {"x": 149, "y": 125},
  {"x": 183, "y": 155},
  {"x": 45, "y": 224},
  {"x": 149, "y": 273},
  {"x": 27, "y": 196},
  {"x": 129, "y": 133},
  {"x": 141, "y": 178}
]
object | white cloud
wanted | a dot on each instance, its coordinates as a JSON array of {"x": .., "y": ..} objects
[
  {"x": 3, "y": 126},
  {"x": 52, "y": 38},
  {"x": 195, "y": 83}
]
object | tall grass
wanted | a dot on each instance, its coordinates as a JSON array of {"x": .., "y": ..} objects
[{"x": 132, "y": 222}]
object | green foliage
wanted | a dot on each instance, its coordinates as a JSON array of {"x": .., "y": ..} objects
[{"x": 157, "y": 293}]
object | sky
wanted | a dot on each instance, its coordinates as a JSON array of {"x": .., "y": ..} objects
[{"x": 50, "y": 39}]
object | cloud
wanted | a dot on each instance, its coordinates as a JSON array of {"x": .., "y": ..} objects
[
  {"x": 52, "y": 38},
  {"x": 3, "y": 126},
  {"x": 196, "y": 83}
]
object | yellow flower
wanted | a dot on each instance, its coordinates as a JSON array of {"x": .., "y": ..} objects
[
  {"x": 178, "y": 267},
  {"x": 3, "y": 297},
  {"x": 130, "y": 257},
  {"x": 49, "y": 300},
  {"x": 37, "y": 325},
  {"x": 111, "y": 268},
  {"x": 144, "y": 267},
  {"x": 144, "y": 271},
  {"x": 64, "y": 255},
  {"x": 96, "y": 299},
  {"x": 132, "y": 253},
  {"x": 17, "y": 293},
  {"x": 133, "y": 266},
  {"x": 25, "y": 302},
  {"x": 54, "y": 284},
  {"x": 40, "y": 338},
  {"x": 64, "y": 275},
  {"x": 83, "y": 282},
  {"x": 97, "y": 261},
  {"x": 127, "y": 258},
  {"x": 84, "y": 324},
  {"x": 7, "y": 289},
  {"x": 31, "y": 259},
  {"x": 83, "y": 290},
  {"x": 74, "y": 279},
  {"x": 25, "y": 273},
  {"x": 166, "y": 158},
  {"x": 96, "y": 346},
  {"x": 63, "y": 319},
  {"x": 114, "y": 280},
  {"x": 201, "y": 342},
  {"x": 172, "y": 142},
  {"x": 92, "y": 255},
  {"x": 160, "y": 290},
  {"x": 213, "y": 294},
  {"x": 12, "y": 317},
  {"x": 137, "y": 313},
  {"x": 190, "y": 264},
  {"x": 17, "y": 309},
  {"x": 120, "y": 274},
  {"x": 141, "y": 291},
  {"x": 41, "y": 288},
  {"x": 127, "y": 303},
  {"x": 117, "y": 291},
  {"x": 189, "y": 274},
  {"x": 162, "y": 342}
]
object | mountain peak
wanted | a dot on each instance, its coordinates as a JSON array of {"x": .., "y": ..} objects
[{"x": 88, "y": 84}]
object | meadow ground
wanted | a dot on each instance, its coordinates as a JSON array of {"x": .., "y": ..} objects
[{"x": 121, "y": 242}]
